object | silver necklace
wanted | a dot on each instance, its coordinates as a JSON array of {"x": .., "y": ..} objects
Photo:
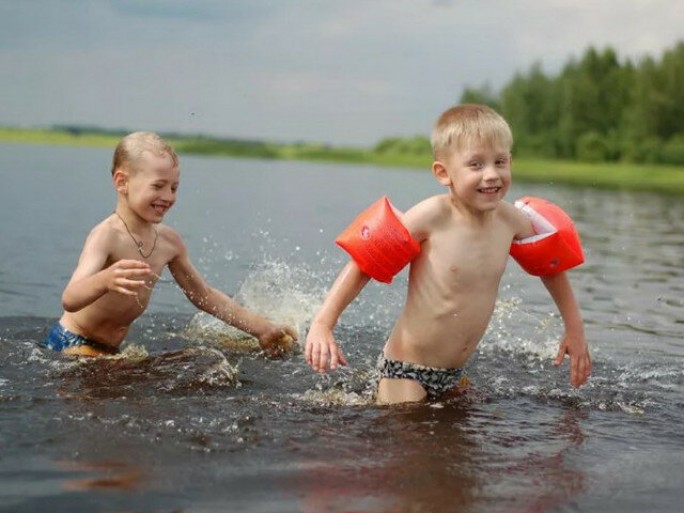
[{"x": 138, "y": 243}]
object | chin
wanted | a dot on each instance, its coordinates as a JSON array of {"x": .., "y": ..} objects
[{"x": 490, "y": 201}]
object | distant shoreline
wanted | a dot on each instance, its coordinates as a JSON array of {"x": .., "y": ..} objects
[{"x": 617, "y": 176}]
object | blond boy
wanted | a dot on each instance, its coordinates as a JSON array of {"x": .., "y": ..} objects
[
  {"x": 124, "y": 255},
  {"x": 465, "y": 236}
]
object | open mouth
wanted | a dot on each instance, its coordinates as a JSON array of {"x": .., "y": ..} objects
[
  {"x": 160, "y": 209},
  {"x": 489, "y": 190}
]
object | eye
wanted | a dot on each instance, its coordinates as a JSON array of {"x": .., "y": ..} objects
[{"x": 475, "y": 164}]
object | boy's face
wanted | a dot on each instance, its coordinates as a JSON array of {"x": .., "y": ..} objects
[
  {"x": 151, "y": 188},
  {"x": 479, "y": 175}
]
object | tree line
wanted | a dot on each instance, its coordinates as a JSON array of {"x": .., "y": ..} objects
[{"x": 598, "y": 108}]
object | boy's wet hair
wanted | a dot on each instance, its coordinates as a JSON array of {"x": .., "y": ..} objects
[
  {"x": 130, "y": 149},
  {"x": 463, "y": 125}
]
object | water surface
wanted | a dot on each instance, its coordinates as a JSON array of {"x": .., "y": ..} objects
[{"x": 192, "y": 418}]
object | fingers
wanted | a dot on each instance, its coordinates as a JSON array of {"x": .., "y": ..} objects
[
  {"x": 321, "y": 350},
  {"x": 132, "y": 264},
  {"x": 580, "y": 370},
  {"x": 334, "y": 358},
  {"x": 574, "y": 371},
  {"x": 133, "y": 273},
  {"x": 128, "y": 276},
  {"x": 289, "y": 330},
  {"x": 307, "y": 352},
  {"x": 342, "y": 358},
  {"x": 580, "y": 363},
  {"x": 560, "y": 356},
  {"x": 319, "y": 357}
]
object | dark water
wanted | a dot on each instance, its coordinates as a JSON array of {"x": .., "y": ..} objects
[{"x": 191, "y": 418}]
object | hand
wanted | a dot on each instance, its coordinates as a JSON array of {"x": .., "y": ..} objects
[
  {"x": 278, "y": 339},
  {"x": 127, "y": 276},
  {"x": 322, "y": 350},
  {"x": 580, "y": 362}
]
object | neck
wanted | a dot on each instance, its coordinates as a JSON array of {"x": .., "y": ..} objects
[
  {"x": 471, "y": 215},
  {"x": 138, "y": 240},
  {"x": 134, "y": 222}
]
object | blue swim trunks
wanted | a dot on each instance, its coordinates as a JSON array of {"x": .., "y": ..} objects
[{"x": 61, "y": 338}]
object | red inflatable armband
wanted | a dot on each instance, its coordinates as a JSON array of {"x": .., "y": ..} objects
[
  {"x": 555, "y": 248},
  {"x": 378, "y": 242}
]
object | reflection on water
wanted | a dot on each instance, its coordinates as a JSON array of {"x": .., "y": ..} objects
[
  {"x": 102, "y": 475},
  {"x": 193, "y": 417},
  {"x": 419, "y": 458}
]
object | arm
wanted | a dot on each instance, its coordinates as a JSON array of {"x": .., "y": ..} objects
[
  {"x": 92, "y": 279},
  {"x": 221, "y": 306},
  {"x": 321, "y": 347},
  {"x": 574, "y": 343}
]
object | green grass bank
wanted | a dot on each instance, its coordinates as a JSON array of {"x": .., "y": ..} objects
[{"x": 638, "y": 177}]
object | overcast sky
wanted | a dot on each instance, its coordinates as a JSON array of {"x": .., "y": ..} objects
[{"x": 336, "y": 71}]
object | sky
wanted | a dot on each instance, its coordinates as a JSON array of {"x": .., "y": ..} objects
[{"x": 343, "y": 72}]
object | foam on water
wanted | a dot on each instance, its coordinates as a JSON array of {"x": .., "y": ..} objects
[{"x": 522, "y": 343}]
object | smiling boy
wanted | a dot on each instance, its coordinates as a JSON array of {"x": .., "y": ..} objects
[
  {"x": 465, "y": 236},
  {"x": 125, "y": 254}
]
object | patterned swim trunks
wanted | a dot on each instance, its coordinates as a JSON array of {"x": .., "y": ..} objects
[
  {"x": 435, "y": 380},
  {"x": 61, "y": 338}
]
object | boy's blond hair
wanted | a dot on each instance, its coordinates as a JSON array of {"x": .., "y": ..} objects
[
  {"x": 130, "y": 149},
  {"x": 463, "y": 125}
]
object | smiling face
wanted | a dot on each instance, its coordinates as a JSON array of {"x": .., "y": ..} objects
[
  {"x": 478, "y": 176},
  {"x": 150, "y": 188}
]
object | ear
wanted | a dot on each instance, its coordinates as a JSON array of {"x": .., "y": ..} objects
[
  {"x": 440, "y": 172},
  {"x": 120, "y": 180}
]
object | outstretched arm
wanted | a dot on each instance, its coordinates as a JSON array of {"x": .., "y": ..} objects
[
  {"x": 574, "y": 343},
  {"x": 321, "y": 348},
  {"x": 223, "y": 307}
]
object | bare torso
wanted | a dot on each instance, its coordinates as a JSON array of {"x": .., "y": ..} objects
[
  {"x": 108, "y": 319},
  {"x": 453, "y": 286}
]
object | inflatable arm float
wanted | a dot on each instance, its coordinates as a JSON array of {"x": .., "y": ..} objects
[
  {"x": 555, "y": 248},
  {"x": 378, "y": 242}
]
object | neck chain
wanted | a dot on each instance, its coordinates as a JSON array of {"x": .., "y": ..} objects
[{"x": 138, "y": 243}]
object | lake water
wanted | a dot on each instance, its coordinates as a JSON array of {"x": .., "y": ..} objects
[{"x": 191, "y": 418}]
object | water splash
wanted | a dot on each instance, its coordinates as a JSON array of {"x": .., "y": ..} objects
[{"x": 281, "y": 292}]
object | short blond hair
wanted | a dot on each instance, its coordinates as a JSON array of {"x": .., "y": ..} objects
[
  {"x": 130, "y": 149},
  {"x": 463, "y": 125}
]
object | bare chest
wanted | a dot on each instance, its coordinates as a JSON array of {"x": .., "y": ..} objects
[{"x": 469, "y": 258}]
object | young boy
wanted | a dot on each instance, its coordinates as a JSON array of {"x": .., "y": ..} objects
[
  {"x": 465, "y": 236},
  {"x": 124, "y": 255}
]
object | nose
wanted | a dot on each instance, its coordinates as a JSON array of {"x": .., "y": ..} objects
[
  {"x": 169, "y": 195},
  {"x": 491, "y": 173}
]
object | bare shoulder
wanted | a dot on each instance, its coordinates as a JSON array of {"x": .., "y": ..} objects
[
  {"x": 512, "y": 216},
  {"x": 171, "y": 241},
  {"x": 170, "y": 236},
  {"x": 102, "y": 235},
  {"x": 423, "y": 217},
  {"x": 507, "y": 211}
]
